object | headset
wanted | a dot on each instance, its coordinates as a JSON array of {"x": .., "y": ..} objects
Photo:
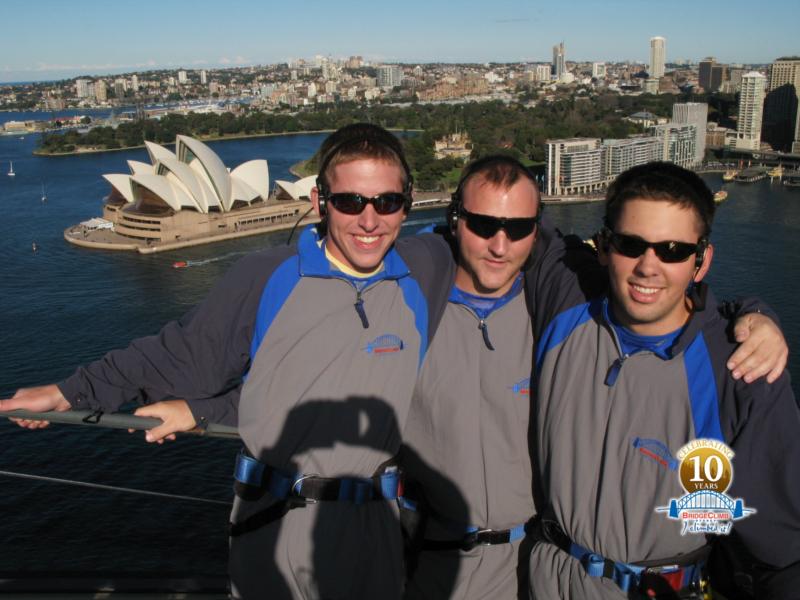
[
  {"x": 360, "y": 133},
  {"x": 456, "y": 198}
]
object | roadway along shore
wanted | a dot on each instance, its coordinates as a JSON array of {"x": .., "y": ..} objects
[{"x": 202, "y": 138}]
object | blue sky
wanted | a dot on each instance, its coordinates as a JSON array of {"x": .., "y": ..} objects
[{"x": 45, "y": 39}]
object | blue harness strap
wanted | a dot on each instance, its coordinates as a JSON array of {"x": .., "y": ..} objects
[
  {"x": 469, "y": 536},
  {"x": 282, "y": 484},
  {"x": 623, "y": 574},
  {"x": 254, "y": 473},
  {"x": 628, "y": 575}
]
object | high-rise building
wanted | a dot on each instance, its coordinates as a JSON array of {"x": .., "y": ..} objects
[
  {"x": 704, "y": 72},
  {"x": 599, "y": 70},
  {"x": 203, "y": 77},
  {"x": 751, "y": 106},
  {"x": 621, "y": 155},
  {"x": 559, "y": 61},
  {"x": 711, "y": 74},
  {"x": 100, "y": 90},
  {"x": 574, "y": 166},
  {"x": 120, "y": 86},
  {"x": 182, "y": 78},
  {"x": 135, "y": 83},
  {"x": 542, "y": 73},
  {"x": 693, "y": 113},
  {"x": 389, "y": 76},
  {"x": 677, "y": 142},
  {"x": 658, "y": 54},
  {"x": 82, "y": 88},
  {"x": 781, "y": 114}
]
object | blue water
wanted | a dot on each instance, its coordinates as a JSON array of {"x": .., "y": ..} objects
[{"x": 62, "y": 306}]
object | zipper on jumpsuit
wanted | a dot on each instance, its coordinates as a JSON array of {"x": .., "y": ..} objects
[{"x": 616, "y": 366}]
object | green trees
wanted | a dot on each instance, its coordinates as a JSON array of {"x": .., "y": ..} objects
[{"x": 518, "y": 129}]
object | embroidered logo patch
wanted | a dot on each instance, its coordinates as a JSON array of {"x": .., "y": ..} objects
[
  {"x": 656, "y": 451},
  {"x": 384, "y": 343},
  {"x": 522, "y": 387}
]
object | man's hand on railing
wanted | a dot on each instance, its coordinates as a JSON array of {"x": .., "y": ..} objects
[
  {"x": 175, "y": 415},
  {"x": 43, "y": 398}
]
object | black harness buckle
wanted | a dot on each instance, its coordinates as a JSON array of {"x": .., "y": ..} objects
[{"x": 485, "y": 537}]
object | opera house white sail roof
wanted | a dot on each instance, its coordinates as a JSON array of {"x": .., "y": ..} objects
[
  {"x": 193, "y": 177},
  {"x": 296, "y": 190}
]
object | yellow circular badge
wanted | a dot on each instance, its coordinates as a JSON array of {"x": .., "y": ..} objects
[{"x": 706, "y": 466}]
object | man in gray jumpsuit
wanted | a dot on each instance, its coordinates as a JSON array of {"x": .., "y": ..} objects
[
  {"x": 469, "y": 414},
  {"x": 320, "y": 344},
  {"x": 623, "y": 382}
]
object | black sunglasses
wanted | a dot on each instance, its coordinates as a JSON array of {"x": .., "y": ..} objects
[
  {"x": 668, "y": 252},
  {"x": 351, "y": 203},
  {"x": 486, "y": 226}
]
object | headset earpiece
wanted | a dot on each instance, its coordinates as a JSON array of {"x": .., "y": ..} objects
[
  {"x": 452, "y": 212},
  {"x": 702, "y": 246},
  {"x": 603, "y": 239},
  {"x": 322, "y": 195}
]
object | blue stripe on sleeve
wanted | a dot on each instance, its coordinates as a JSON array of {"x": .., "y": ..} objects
[
  {"x": 561, "y": 328},
  {"x": 277, "y": 290},
  {"x": 703, "y": 395},
  {"x": 416, "y": 301}
]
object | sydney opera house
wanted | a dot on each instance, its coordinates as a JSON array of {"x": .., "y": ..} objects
[{"x": 188, "y": 197}]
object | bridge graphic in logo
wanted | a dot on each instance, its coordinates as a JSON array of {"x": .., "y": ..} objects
[
  {"x": 384, "y": 343},
  {"x": 705, "y": 472},
  {"x": 706, "y": 511},
  {"x": 522, "y": 387},
  {"x": 656, "y": 451}
]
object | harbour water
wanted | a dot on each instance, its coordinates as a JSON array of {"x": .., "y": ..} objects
[{"x": 61, "y": 306}]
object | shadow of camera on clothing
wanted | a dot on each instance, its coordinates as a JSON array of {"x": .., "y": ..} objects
[{"x": 336, "y": 549}]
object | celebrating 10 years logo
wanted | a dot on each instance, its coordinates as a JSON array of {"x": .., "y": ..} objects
[{"x": 706, "y": 473}]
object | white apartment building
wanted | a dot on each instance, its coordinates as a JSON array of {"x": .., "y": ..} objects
[
  {"x": 658, "y": 55},
  {"x": 693, "y": 113},
  {"x": 621, "y": 155},
  {"x": 677, "y": 142},
  {"x": 751, "y": 107},
  {"x": 574, "y": 166},
  {"x": 599, "y": 70}
]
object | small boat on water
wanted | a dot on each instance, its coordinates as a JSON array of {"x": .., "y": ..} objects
[
  {"x": 775, "y": 172},
  {"x": 180, "y": 264},
  {"x": 11, "y": 169},
  {"x": 729, "y": 175},
  {"x": 44, "y": 194},
  {"x": 720, "y": 196}
]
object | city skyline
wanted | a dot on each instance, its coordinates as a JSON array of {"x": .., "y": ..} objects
[{"x": 60, "y": 41}]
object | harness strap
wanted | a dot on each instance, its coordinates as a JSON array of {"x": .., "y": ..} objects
[
  {"x": 475, "y": 536},
  {"x": 680, "y": 572},
  {"x": 470, "y": 535},
  {"x": 293, "y": 490}
]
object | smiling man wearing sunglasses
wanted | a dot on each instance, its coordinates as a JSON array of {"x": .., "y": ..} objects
[
  {"x": 317, "y": 347},
  {"x": 469, "y": 414},
  {"x": 626, "y": 380}
]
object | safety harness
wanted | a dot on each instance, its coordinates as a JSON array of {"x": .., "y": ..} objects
[
  {"x": 468, "y": 536},
  {"x": 296, "y": 490},
  {"x": 679, "y": 576}
]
